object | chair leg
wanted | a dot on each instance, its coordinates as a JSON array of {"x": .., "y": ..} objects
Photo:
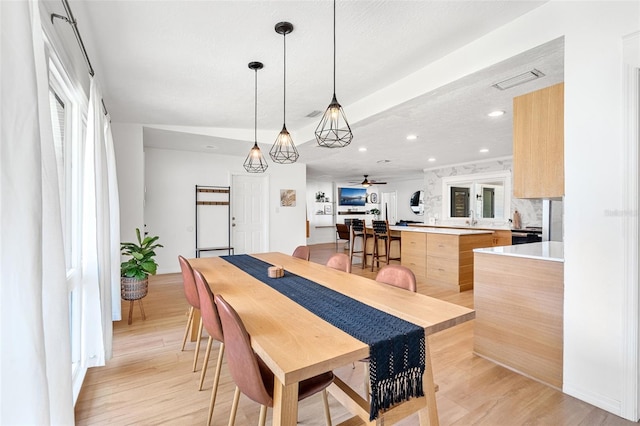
[
  {"x": 263, "y": 415},
  {"x": 327, "y": 413},
  {"x": 234, "y": 407},
  {"x": 186, "y": 330},
  {"x": 206, "y": 362},
  {"x": 195, "y": 355},
  {"x": 216, "y": 380},
  {"x": 374, "y": 253}
]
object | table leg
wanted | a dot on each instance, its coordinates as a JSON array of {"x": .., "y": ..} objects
[
  {"x": 429, "y": 415},
  {"x": 285, "y": 404},
  {"x": 195, "y": 335}
]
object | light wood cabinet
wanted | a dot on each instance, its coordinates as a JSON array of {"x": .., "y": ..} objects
[
  {"x": 414, "y": 253},
  {"x": 538, "y": 143},
  {"x": 450, "y": 259},
  {"x": 519, "y": 314}
]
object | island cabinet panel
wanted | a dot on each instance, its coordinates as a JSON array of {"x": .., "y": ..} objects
[
  {"x": 450, "y": 259},
  {"x": 501, "y": 237},
  {"x": 519, "y": 314},
  {"x": 538, "y": 143},
  {"x": 414, "y": 253}
]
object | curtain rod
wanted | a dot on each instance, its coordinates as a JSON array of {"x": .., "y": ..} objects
[{"x": 69, "y": 19}]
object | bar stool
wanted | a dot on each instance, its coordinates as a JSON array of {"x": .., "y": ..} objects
[
  {"x": 381, "y": 232},
  {"x": 357, "y": 231}
]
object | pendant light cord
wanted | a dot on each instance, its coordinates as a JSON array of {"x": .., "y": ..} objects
[
  {"x": 284, "y": 83},
  {"x": 334, "y": 47},
  {"x": 255, "y": 110}
]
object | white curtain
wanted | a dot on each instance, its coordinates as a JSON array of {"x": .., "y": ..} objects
[
  {"x": 101, "y": 234},
  {"x": 35, "y": 353}
]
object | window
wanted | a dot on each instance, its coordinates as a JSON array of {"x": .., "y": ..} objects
[{"x": 68, "y": 120}]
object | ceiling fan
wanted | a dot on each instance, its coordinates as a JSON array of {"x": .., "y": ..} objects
[{"x": 367, "y": 183}]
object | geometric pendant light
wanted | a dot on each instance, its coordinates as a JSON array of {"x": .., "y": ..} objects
[
  {"x": 255, "y": 162},
  {"x": 333, "y": 130},
  {"x": 283, "y": 150}
]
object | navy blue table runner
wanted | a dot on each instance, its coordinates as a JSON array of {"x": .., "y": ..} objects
[{"x": 396, "y": 346}]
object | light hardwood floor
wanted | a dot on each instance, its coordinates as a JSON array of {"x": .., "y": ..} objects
[{"x": 149, "y": 380}]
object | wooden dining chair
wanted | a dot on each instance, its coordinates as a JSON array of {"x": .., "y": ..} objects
[
  {"x": 382, "y": 233},
  {"x": 342, "y": 234},
  {"x": 212, "y": 324},
  {"x": 357, "y": 231},
  {"x": 251, "y": 375},
  {"x": 191, "y": 293},
  {"x": 302, "y": 252},
  {"x": 340, "y": 261}
]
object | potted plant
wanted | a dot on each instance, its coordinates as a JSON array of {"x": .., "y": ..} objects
[
  {"x": 134, "y": 272},
  {"x": 375, "y": 213}
]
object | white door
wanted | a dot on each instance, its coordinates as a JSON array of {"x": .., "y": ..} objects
[
  {"x": 249, "y": 213},
  {"x": 389, "y": 207}
]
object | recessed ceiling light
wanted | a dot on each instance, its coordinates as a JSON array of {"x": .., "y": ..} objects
[
  {"x": 496, "y": 113},
  {"x": 431, "y": 159},
  {"x": 484, "y": 150},
  {"x": 412, "y": 137},
  {"x": 362, "y": 149}
]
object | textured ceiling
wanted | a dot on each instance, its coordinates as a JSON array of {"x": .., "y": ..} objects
[{"x": 182, "y": 65}]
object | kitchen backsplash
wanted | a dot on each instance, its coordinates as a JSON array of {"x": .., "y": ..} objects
[{"x": 530, "y": 210}]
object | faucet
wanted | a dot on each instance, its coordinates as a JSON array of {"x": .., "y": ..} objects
[{"x": 472, "y": 218}]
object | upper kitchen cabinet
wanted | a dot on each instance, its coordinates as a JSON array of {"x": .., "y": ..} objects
[{"x": 538, "y": 143}]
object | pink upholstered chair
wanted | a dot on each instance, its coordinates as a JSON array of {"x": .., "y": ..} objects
[
  {"x": 340, "y": 261},
  {"x": 212, "y": 324},
  {"x": 251, "y": 375},
  {"x": 191, "y": 293},
  {"x": 302, "y": 252},
  {"x": 398, "y": 276}
]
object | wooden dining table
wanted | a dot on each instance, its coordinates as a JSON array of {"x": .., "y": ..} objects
[{"x": 296, "y": 344}]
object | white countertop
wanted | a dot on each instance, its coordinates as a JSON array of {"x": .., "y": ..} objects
[
  {"x": 482, "y": 227},
  {"x": 446, "y": 231},
  {"x": 546, "y": 250}
]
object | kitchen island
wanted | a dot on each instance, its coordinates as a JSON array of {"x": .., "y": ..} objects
[
  {"x": 518, "y": 298},
  {"x": 442, "y": 256}
]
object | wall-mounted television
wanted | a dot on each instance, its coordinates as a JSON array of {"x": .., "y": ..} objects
[{"x": 352, "y": 196}]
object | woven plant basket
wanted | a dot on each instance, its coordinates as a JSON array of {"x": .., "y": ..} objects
[{"x": 133, "y": 288}]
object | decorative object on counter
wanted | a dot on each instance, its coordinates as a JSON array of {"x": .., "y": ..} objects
[
  {"x": 283, "y": 150},
  {"x": 134, "y": 273},
  {"x": 333, "y": 131},
  {"x": 255, "y": 162},
  {"x": 375, "y": 212},
  {"x": 517, "y": 221},
  {"x": 320, "y": 198},
  {"x": 328, "y": 209},
  {"x": 275, "y": 271}
]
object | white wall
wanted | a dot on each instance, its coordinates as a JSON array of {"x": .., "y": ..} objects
[
  {"x": 404, "y": 190},
  {"x": 127, "y": 140},
  {"x": 170, "y": 179},
  {"x": 595, "y": 348}
]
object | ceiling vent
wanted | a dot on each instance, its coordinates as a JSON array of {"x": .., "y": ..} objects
[
  {"x": 313, "y": 114},
  {"x": 519, "y": 79}
]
